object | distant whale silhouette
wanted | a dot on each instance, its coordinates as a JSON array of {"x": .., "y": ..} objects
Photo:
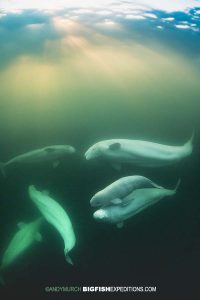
[
  {"x": 22, "y": 240},
  {"x": 50, "y": 153},
  {"x": 137, "y": 201},
  {"x": 141, "y": 153}
]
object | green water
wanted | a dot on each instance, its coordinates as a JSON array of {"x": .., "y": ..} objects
[{"x": 81, "y": 88}]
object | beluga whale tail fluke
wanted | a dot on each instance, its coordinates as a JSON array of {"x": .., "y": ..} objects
[
  {"x": 189, "y": 144},
  {"x": 68, "y": 258}
]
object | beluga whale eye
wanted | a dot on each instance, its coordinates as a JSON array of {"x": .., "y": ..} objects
[{"x": 115, "y": 146}]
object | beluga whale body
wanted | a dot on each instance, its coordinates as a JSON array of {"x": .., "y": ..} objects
[
  {"x": 117, "y": 192},
  {"x": 138, "y": 152},
  {"x": 55, "y": 215},
  {"x": 137, "y": 201},
  {"x": 22, "y": 240},
  {"x": 49, "y": 153}
]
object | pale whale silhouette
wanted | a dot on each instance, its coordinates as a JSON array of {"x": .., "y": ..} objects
[
  {"x": 138, "y": 152},
  {"x": 117, "y": 192},
  {"x": 49, "y": 153},
  {"x": 55, "y": 215},
  {"x": 22, "y": 240},
  {"x": 138, "y": 200}
]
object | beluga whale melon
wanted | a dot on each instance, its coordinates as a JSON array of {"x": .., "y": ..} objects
[
  {"x": 47, "y": 154},
  {"x": 138, "y": 152},
  {"x": 137, "y": 201},
  {"x": 22, "y": 240},
  {"x": 117, "y": 192},
  {"x": 55, "y": 215}
]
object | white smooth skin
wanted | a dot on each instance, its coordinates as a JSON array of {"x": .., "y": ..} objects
[
  {"x": 142, "y": 153},
  {"x": 22, "y": 240},
  {"x": 55, "y": 215},
  {"x": 116, "y": 192},
  {"x": 49, "y": 153},
  {"x": 139, "y": 200}
]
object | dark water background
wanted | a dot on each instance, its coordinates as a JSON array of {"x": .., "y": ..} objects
[
  {"x": 141, "y": 91},
  {"x": 158, "y": 247}
]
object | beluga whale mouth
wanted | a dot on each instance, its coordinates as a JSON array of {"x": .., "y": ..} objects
[{"x": 100, "y": 214}]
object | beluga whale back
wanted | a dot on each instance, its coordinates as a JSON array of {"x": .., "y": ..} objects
[
  {"x": 138, "y": 152},
  {"x": 49, "y": 153},
  {"x": 55, "y": 215}
]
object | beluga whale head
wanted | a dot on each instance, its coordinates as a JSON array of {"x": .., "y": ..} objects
[
  {"x": 96, "y": 200},
  {"x": 96, "y": 151}
]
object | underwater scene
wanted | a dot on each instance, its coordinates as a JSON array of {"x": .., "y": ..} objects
[{"x": 99, "y": 149}]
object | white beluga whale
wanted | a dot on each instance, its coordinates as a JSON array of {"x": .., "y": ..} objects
[
  {"x": 49, "y": 153},
  {"x": 138, "y": 152},
  {"x": 117, "y": 192},
  {"x": 22, "y": 240},
  {"x": 55, "y": 215},
  {"x": 137, "y": 201}
]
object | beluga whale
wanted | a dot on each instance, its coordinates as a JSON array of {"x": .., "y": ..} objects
[
  {"x": 22, "y": 240},
  {"x": 118, "y": 191},
  {"x": 55, "y": 215},
  {"x": 137, "y": 201},
  {"x": 49, "y": 154},
  {"x": 138, "y": 152}
]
